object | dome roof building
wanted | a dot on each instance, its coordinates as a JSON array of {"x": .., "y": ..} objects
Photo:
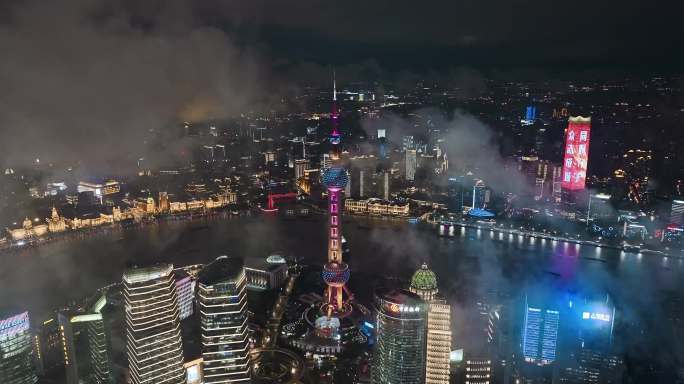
[
  {"x": 424, "y": 283},
  {"x": 438, "y": 332}
]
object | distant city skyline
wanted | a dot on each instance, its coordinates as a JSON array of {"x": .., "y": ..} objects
[{"x": 383, "y": 192}]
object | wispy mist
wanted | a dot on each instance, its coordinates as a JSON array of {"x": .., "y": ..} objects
[
  {"x": 89, "y": 80},
  {"x": 470, "y": 144}
]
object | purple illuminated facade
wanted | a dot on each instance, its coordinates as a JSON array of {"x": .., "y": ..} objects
[{"x": 335, "y": 271}]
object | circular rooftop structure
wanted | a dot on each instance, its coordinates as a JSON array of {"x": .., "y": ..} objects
[
  {"x": 424, "y": 279},
  {"x": 276, "y": 259},
  {"x": 480, "y": 213},
  {"x": 335, "y": 177}
]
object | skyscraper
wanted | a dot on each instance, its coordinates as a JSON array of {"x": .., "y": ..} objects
[
  {"x": 576, "y": 153},
  {"x": 411, "y": 162},
  {"x": 153, "y": 337},
  {"x": 455, "y": 194},
  {"x": 300, "y": 165},
  {"x": 424, "y": 284},
  {"x": 85, "y": 331},
  {"x": 385, "y": 185},
  {"x": 223, "y": 317},
  {"x": 480, "y": 195},
  {"x": 590, "y": 358},
  {"x": 185, "y": 291},
  {"x": 540, "y": 332},
  {"x": 98, "y": 345},
  {"x": 16, "y": 352},
  {"x": 399, "y": 355}
]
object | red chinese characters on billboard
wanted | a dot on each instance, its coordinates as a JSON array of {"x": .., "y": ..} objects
[{"x": 576, "y": 153}]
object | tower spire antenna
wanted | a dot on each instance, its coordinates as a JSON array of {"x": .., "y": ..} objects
[{"x": 334, "y": 87}]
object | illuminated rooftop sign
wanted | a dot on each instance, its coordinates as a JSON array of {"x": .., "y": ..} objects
[{"x": 595, "y": 316}]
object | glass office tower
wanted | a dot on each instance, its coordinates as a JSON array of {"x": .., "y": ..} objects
[
  {"x": 16, "y": 351},
  {"x": 153, "y": 336},
  {"x": 223, "y": 320},
  {"x": 399, "y": 356}
]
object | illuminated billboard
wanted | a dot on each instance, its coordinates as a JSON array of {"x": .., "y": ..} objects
[
  {"x": 595, "y": 316},
  {"x": 576, "y": 153},
  {"x": 14, "y": 325}
]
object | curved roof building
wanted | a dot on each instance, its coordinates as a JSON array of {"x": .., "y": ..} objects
[
  {"x": 424, "y": 283},
  {"x": 153, "y": 336}
]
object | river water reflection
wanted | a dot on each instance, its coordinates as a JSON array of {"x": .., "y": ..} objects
[{"x": 468, "y": 264}]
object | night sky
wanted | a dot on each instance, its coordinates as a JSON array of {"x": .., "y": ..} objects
[
  {"x": 473, "y": 32},
  {"x": 85, "y": 78}
]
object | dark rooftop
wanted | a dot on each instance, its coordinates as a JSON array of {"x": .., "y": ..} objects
[
  {"x": 399, "y": 296},
  {"x": 223, "y": 269}
]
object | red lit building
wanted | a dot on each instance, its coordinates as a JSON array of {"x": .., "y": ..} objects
[{"x": 576, "y": 153}]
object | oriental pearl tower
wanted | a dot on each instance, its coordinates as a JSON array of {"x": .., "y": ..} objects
[{"x": 335, "y": 271}]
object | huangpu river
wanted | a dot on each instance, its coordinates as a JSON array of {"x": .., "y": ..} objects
[{"x": 648, "y": 289}]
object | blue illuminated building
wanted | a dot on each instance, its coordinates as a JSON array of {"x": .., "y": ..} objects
[
  {"x": 481, "y": 213},
  {"x": 596, "y": 320},
  {"x": 588, "y": 345},
  {"x": 540, "y": 333},
  {"x": 382, "y": 149}
]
